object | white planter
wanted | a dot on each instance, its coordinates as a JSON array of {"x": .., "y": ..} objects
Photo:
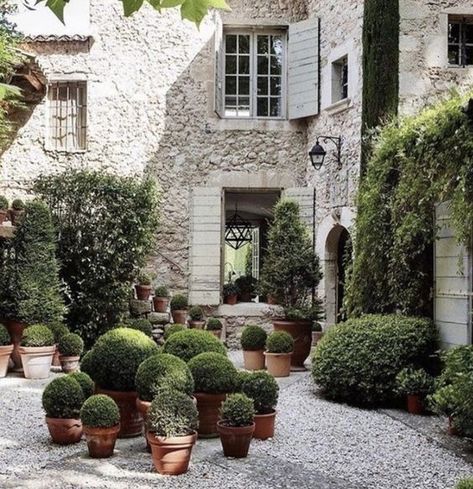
[{"x": 37, "y": 361}]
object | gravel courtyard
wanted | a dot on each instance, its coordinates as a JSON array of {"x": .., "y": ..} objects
[{"x": 319, "y": 445}]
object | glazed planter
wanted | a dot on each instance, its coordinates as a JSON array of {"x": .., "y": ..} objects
[
  {"x": 264, "y": 426},
  {"x": 131, "y": 420},
  {"x": 216, "y": 332},
  {"x": 160, "y": 304},
  {"x": 235, "y": 441},
  {"x": 316, "y": 337},
  {"x": 179, "y": 316},
  {"x": 101, "y": 441},
  {"x": 209, "y": 406},
  {"x": 37, "y": 361},
  {"x": 143, "y": 292},
  {"x": 301, "y": 331},
  {"x": 69, "y": 364},
  {"x": 5, "y": 354},
  {"x": 143, "y": 408},
  {"x": 415, "y": 404},
  {"x": 253, "y": 360},
  {"x": 231, "y": 299},
  {"x": 171, "y": 456},
  {"x": 196, "y": 324},
  {"x": 15, "y": 329},
  {"x": 56, "y": 361},
  {"x": 3, "y": 216},
  {"x": 64, "y": 431},
  {"x": 278, "y": 364}
]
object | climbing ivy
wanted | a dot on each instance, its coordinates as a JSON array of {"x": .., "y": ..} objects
[{"x": 417, "y": 162}]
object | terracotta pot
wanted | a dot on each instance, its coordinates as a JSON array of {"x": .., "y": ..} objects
[
  {"x": 415, "y": 404},
  {"x": 64, "y": 431},
  {"x": 171, "y": 456},
  {"x": 16, "y": 216},
  {"x": 271, "y": 300},
  {"x": 37, "y": 361},
  {"x": 301, "y": 331},
  {"x": 131, "y": 420},
  {"x": 56, "y": 362},
  {"x": 235, "y": 441},
  {"x": 5, "y": 354},
  {"x": 15, "y": 328},
  {"x": 316, "y": 337},
  {"x": 69, "y": 364},
  {"x": 245, "y": 297},
  {"x": 179, "y": 316},
  {"x": 3, "y": 216},
  {"x": 253, "y": 360},
  {"x": 216, "y": 332},
  {"x": 278, "y": 364},
  {"x": 160, "y": 304},
  {"x": 209, "y": 406},
  {"x": 143, "y": 292},
  {"x": 101, "y": 441},
  {"x": 452, "y": 431},
  {"x": 143, "y": 407},
  {"x": 264, "y": 426},
  {"x": 196, "y": 324},
  {"x": 231, "y": 299}
]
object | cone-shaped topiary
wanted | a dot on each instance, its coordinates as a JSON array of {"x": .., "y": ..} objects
[
  {"x": 37, "y": 335},
  {"x": 173, "y": 328},
  {"x": 86, "y": 383},
  {"x": 238, "y": 410},
  {"x": 279, "y": 342},
  {"x": 187, "y": 344},
  {"x": 4, "y": 336},
  {"x": 63, "y": 398},
  {"x": 253, "y": 338},
  {"x": 100, "y": 411},
  {"x": 263, "y": 389},
  {"x": 213, "y": 373},
  {"x": 71, "y": 345}
]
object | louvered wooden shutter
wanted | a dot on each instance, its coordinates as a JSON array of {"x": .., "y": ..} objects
[
  {"x": 219, "y": 65},
  {"x": 303, "y": 69},
  {"x": 304, "y": 196}
]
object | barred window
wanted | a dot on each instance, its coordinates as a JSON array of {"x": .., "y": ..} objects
[
  {"x": 68, "y": 115},
  {"x": 340, "y": 79},
  {"x": 460, "y": 40}
]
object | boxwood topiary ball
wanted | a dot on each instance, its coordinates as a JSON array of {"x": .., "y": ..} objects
[
  {"x": 116, "y": 357},
  {"x": 86, "y": 363},
  {"x": 173, "y": 328},
  {"x": 140, "y": 324},
  {"x": 263, "y": 389},
  {"x": 190, "y": 343},
  {"x": 71, "y": 345},
  {"x": 280, "y": 342},
  {"x": 37, "y": 335},
  {"x": 59, "y": 330},
  {"x": 63, "y": 398},
  {"x": 213, "y": 373},
  {"x": 253, "y": 338},
  {"x": 238, "y": 410},
  {"x": 100, "y": 411},
  {"x": 160, "y": 371},
  {"x": 214, "y": 324},
  {"x": 4, "y": 336},
  {"x": 86, "y": 383}
]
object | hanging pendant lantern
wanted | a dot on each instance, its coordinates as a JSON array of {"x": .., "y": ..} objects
[{"x": 238, "y": 231}]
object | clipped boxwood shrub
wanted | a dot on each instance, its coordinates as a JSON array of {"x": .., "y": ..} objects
[
  {"x": 465, "y": 484},
  {"x": 71, "y": 345},
  {"x": 163, "y": 370},
  {"x": 4, "y": 336},
  {"x": 116, "y": 357},
  {"x": 86, "y": 383},
  {"x": 357, "y": 361},
  {"x": 238, "y": 410},
  {"x": 36, "y": 336},
  {"x": 140, "y": 324},
  {"x": 161, "y": 291},
  {"x": 63, "y": 398},
  {"x": 59, "y": 330},
  {"x": 86, "y": 363},
  {"x": 280, "y": 342},
  {"x": 100, "y": 411},
  {"x": 213, "y": 373},
  {"x": 196, "y": 313},
  {"x": 179, "y": 302},
  {"x": 3, "y": 203},
  {"x": 190, "y": 343},
  {"x": 214, "y": 324},
  {"x": 263, "y": 389},
  {"x": 253, "y": 338},
  {"x": 173, "y": 328}
]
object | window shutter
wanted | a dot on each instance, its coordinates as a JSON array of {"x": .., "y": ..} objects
[
  {"x": 219, "y": 66},
  {"x": 304, "y": 196},
  {"x": 206, "y": 243},
  {"x": 303, "y": 69}
]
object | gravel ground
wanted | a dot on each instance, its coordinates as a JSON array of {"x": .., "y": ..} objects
[{"x": 318, "y": 445}]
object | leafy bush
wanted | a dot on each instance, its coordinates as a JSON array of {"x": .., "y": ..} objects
[
  {"x": 100, "y": 411},
  {"x": 444, "y": 400},
  {"x": 173, "y": 328},
  {"x": 71, "y": 345},
  {"x": 36, "y": 336},
  {"x": 238, "y": 410},
  {"x": 59, "y": 330},
  {"x": 242, "y": 376},
  {"x": 4, "y": 336},
  {"x": 214, "y": 324},
  {"x": 163, "y": 370},
  {"x": 63, "y": 398},
  {"x": 189, "y": 343},
  {"x": 213, "y": 373},
  {"x": 456, "y": 362},
  {"x": 196, "y": 313},
  {"x": 116, "y": 357},
  {"x": 85, "y": 382},
  {"x": 411, "y": 381},
  {"x": 263, "y": 389},
  {"x": 179, "y": 302},
  {"x": 106, "y": 227},
  {"x": 229, "y": 289},
  {"x": 140, "y": 324},
  {"x": 18, "y": 205},
  {"x": 172, "y": 413},
  {"x": 161, "y": 291},
  {"x": 253, "y": 338},
  {"x": 279, "y": 342},
  {"x": 3, "y": 203},
  {"x": 246, "y": 284},
  {"x": 357, "y": 361},
  {"x": 86, "y": 363},
  {"x": 144, "y": 278},
  {"x": 465, "y": 484}
]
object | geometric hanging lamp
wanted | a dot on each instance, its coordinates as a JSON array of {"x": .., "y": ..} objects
[{"x": 238, "y": 232}]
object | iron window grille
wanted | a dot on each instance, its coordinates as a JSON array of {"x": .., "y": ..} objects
[{"x": 460, "y": 41}]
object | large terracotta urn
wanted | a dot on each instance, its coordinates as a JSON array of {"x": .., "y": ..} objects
[
  {"x": 301, "y": 331},
  {"x": 15, "y": 329}
]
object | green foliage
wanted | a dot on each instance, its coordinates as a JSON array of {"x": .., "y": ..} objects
[
  {"x": 59, "y": 330},
  {"x": 63, "y": 398},
  {"x": 263, "y": 389},
  {"x": 242, "y": 376},
  {"x": 3, "y": 203},
  {"x": 4, "y": 336},
  {"x": 191, "y": 342},
  {"x": 106, "y": 228},
  {"x": 86, "y": 363},
  {"x": 163, "y": 370},
  {"x": 357, "y": 361},
  {"x": 100, "y": 411},
  {"x": 161, "y": 291},
  {"x": 179, "y": 302},
  {"x": 116, "y": 357},
  {"x": 465, "y": 484},
  {"x": 144, "y": 278},
  {"x": 246, "y": 284},
  {"x": 238, "y": 410},
  {"x": 18, "y": 205},
  {"x": 196, "y": 313},
  {"x": 253, "y": 338},
  {"x": 213, "y": 373},
  {"x": 456, "y": 361},
  {"x": 230, "y": 288},
  {"x": 173, "y": 328},
  {"x": 71, "y": 345},
  {"x": 85, "y": 382},
  {"x": 37, "y": 335},
  {"x": 444, "y": 400},
  {"x": 411, "y": 381},
  {"x": 140, "y": 324},
  {"x": 172, "y": 413},
  {"x": 214, "y": 324},
  {"x": 279, "y": 342}
]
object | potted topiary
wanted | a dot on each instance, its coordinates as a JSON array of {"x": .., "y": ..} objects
[
  {"x": 3, "y": 209},
  {"x": 230, "y": 293},
  {"x": 444, "y": 401},
  {"x": 59, "y": 330},
  {"x": 16, "y": 212},
  {"x": 237, "y": 425},
  {"x": 214, "y": 377},
  {"x": 37, "y": 350},
  {"x": 85, "y": 382},
  {"x": 415, "y": 384},
  {"x": 253, "y": 343},
  {"x": 114, "y": 361},
  {"x": 161, "y": 299},
  {"x": 317, "y": 333},
  {"x": 279, "y": 348},
  {"x": 215, "y": 327},
  {"x": 179, "y": 305},
  {"x": 143, "y": 286},
  {"x": 6, "y": 349},
  {"x": 86, "y": 363},
  {"x": 100, "y": 418},
  {"x": 173, "y": 328},
  {"x": 172, "y": 425},
  {"x": 264, "y": 390},
  {"x": 70, "y": 348},
  {"x": 62, "y": 400},
  {"x": 246, "y": 286},
  {"x": 191, "y": 342},
  {"x": 196, "y": 315}
]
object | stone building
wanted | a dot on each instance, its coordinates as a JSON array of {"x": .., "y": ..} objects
[{"x": 224, "y": 117}]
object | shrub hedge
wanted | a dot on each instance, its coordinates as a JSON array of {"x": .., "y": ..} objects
[
  {"x": 213, "y": 373},
  {"x": 100, "y": 411},
  {"x": 71, "y": 345},
  {"x": 238, "y": 410},
  {"x": 189, "y": 343},
  {"x": 36, "y": 336},
  {"x": 4, "y": 336},
  {"x": 253, "y": 338},
  {"x": 63, "y": 398},
  {"x": 263, "y": 389}
]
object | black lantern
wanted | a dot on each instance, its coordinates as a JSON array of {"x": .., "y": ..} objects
[
  {"x": 317, "y": 155},
  {"x": 238, "y": 231}
]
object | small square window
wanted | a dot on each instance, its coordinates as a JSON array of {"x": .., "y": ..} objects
[
  {"x": 340, "y": 79},
  {"x": 460, "y": 40}
]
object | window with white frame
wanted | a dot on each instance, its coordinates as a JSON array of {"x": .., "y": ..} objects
[
  {"x": 67, "y": 129},
  {"x": 460, "y": 40},
  {"x": 254, "y": 74},
  {"x": 340, "y": 79}
]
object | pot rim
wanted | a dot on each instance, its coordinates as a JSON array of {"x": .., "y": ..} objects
[
  {"x": 6, "y": 349},
  {"x": 255, "y": 351},
  {"x": 243, "y": 430},
  {"x": 278, "y": 354},
  {"x": 37, "y": 350},
  {"x": 298, "y": 322},
  {"x": 160, "y": 297},
  {"x": 122, "y": 394},
  {"x": 95, "y": 430},
  {"x": 206, "y": 395},
  {"x": 144, "y": 286},
  {"x": 62, "y": 420},
  {"x": 267, "y": 415},
  {"x": 70, "y": 358},
  {"x": 171, "y": 440}
]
